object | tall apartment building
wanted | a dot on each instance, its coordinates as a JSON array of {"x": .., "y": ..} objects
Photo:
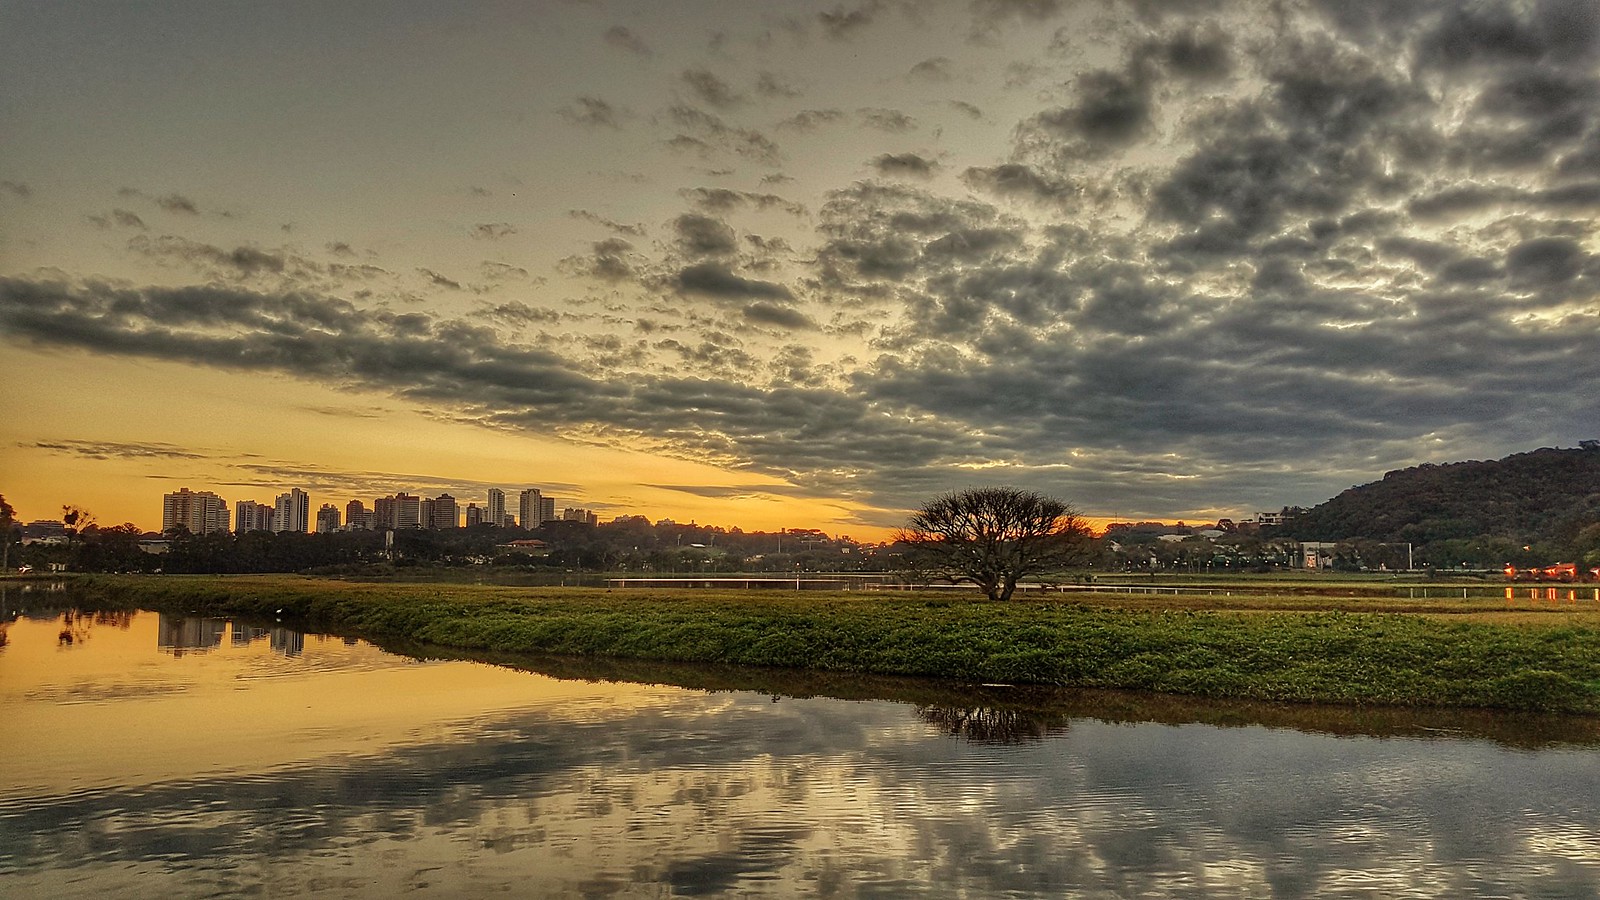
[
  {"x": 474, "y": 515},
  {"x": 547, "y": 511},
  {"x": 357, "y": 517},
  {"x": 578, "y": 514},
  {"x": 327, "y": 518},
  {"x": 292, "y": 511},
  {"x": 443, "y": 513},
  {"x": 495, "y": 509},
  {"x": 383, "y": 513},
  {"x": 202, "y": 512},
  {"x": 407, "y": 511},
  {"x": 528, "y": 508},
  {"x": 248, "y": 515}
]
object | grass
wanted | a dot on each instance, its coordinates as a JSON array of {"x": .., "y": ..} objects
[{"x": 1299, "y": 646}]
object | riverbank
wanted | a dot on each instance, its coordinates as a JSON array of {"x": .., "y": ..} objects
[{"x": 1298, "y": 648}]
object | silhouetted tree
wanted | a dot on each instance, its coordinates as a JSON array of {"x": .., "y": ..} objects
[{"x": 995, "y": 537}]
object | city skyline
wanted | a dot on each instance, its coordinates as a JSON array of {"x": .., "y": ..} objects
[{"x": 803, "y": 266}]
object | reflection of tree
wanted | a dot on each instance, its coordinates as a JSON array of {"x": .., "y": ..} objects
[
  {"x": 994, "y": 725},
  {"x": 75, "y": 624}
]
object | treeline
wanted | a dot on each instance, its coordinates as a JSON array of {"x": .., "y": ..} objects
[
  {"x": 1529, "y": 508},
  {"x": 633, "y": 545}
]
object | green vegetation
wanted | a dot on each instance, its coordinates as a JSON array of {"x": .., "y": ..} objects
[
  {"x": 1301, "y": 647},
  {"x": 1528, "y": 508}
]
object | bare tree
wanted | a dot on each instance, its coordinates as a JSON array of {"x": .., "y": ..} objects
[{"x": 995, "y": 537}]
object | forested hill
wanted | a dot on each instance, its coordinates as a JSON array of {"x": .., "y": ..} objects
[{"x": 1545, "y": 496}]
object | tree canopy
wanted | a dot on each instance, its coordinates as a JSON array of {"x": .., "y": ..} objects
[{"x": 994, "y": 537}]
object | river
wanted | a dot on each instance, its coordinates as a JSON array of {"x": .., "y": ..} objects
[{"x": 155, "y": 756}]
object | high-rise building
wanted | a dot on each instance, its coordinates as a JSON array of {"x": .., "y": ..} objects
[
  {"x": 495, "y": 510},
  {"x": 327, "y": 518},
  {"x": 357, "y": 517},
  {"x": 292, "y": 512},
  {"x": 443, "y": 513},
  {"x": 201, "y": 512},
  {"x": 547, "y": 511},
  {"x": 578, "y": 514},
  {"x": 407, "y": 511},
  {"x": 248, "y": 515},
  {"x": 474, "y": 515},
  {"x": 383, "y": 514},
  {"x": 528, "y": 508}
]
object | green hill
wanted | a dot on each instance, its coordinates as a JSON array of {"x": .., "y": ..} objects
[{"x": 1544, "y": 499}]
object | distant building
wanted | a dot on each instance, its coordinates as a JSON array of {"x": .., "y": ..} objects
[
  {"x": 529, "y": 508},
  {"x": 547, "y": 511},
  {"x": 578, "y": 514},
  {"x": 383, "y": 513},
  {"x": 474, "y": 515},
  {"x": 357, "y": 517},
  {"x": 327, "y": 518},
  {"x": 292, "y": 512},
  {"x": 443, "y": 513},
  {"x": 407, "y": 511},
  {"x": 201, "y": 512},
  {"x": 495, "y": 510},
  {"x": 248, "y": 515}
]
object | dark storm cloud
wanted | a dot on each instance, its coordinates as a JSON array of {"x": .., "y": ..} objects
[
  {"x": 904, "y": 164},
  {"x": 1194, "y": 53},
  {"x": 1016, "y": 180},
  {"x": 710, "y": 89},
  {"x": 1544, "y": 261},
  {"x": 592, "y": 112},
  {"x": 623, "y": 39},
  {"x": 1113, "y": 109}
]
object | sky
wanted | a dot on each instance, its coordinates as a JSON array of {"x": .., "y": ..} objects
[{"x": 788, "y": 264}]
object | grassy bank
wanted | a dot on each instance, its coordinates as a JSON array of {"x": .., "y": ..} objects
[{"x": 1296, "y": 648}]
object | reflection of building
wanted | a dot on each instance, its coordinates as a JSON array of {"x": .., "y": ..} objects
[
  {"x": 247, "y": 634},
  {"x": 201, "y": 512},
  {"x": 286, "y": 642},
  {"x": 188, "y": 634},
  {"x": 292, "y": 512}
]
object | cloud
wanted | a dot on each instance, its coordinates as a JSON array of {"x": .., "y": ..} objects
[
  {"x": 966, "y": 109},
  {"x": 710, "y": 89},
  {"x": 891, "y": 120},
  {"x": 438, "y": 280},
  {"x": 715, "y": 280},
  {"x": 723, "y": 200},
  {"x": 811, "y": 119},
  {"x": 773, "y": 86},
  {"x": 842, "y": 23},
  {"x": 493, "y": 230},
  {"x": 16, "y": 189},
  {"x": 633, "y": 230},
  {"x": 701, "y": 236},
  {"x": 936, "y": 69},
  {"x": 608, "y": 261},
  {"x": 106, "y": 450},
  {"x": 177, "y": 203},
  {"x": 706, "y": 133},
  {"x": 767, "y": 313},
  {"x": 904, "y": 164},
  {"x": 622, "y": 38},
  {"x": 592, "y": 112}
]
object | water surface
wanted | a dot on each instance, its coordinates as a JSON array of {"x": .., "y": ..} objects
[{"x": 154, "y": 756}]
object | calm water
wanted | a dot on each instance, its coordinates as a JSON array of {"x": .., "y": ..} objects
[{"x": 156, "y": 757}]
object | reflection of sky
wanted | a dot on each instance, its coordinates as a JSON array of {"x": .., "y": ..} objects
[{"x": 603, "y": 790}]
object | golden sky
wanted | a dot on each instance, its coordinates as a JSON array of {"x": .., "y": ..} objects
[{"x": 791, "y": 266}]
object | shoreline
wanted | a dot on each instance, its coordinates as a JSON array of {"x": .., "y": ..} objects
[{"x": 1295, "y": 649}]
